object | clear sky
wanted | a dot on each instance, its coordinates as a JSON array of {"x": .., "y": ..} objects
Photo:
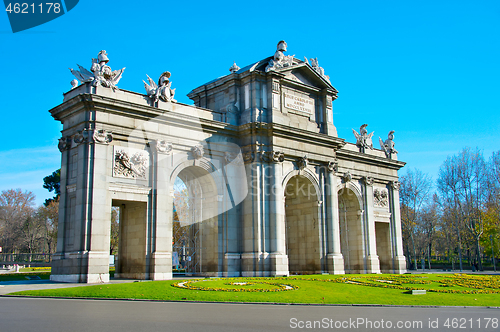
[{"x": 430, "y": 69}]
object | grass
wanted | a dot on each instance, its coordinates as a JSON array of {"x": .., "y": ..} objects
[{"x": 327, "y": 289}]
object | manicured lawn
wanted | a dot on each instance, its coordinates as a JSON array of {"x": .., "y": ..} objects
[
  {"x": 348, "y": 289},
  {"x": 22, "y": 276}
]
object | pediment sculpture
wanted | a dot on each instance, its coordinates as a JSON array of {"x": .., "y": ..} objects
[
  {"x": 100, "y": 73},
  {"x": 280, "y": 60}
]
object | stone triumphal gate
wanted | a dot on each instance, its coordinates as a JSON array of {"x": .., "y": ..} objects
[{"x": 267, "y": 186}]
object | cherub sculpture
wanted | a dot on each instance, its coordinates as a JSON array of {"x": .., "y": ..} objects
[
  {"x": 388, "y": 145},
  {"x": 161, "y": 91},
  {"x": 363, "y": 139},
  {"x": 100, "y": 73}
]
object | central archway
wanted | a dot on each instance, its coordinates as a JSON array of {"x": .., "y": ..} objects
[
  {"x": 195, "y": 222},
  {"x": 302, "y": 226}
]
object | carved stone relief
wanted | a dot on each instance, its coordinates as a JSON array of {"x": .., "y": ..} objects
[
  {"x": 303, "y": 162},
  {"x": 347, "y": 177},
  {"x": 64, "y": 144},
  {"x": 102, "y": 136},
  {"x": 273, "y": 156},
  {"x": 81, "y": 136},
  {"x": 130, "y": 163},
  {"x": 333, "y": 166},
  {"x": 198, "y": 151},
  {"x": 380, "y": 198},
  {"x": 163, "y": 146},
  {"x": 395, "y": 185}
]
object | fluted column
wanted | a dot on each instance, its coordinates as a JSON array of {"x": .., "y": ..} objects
[{"x": 335, "y": 259}]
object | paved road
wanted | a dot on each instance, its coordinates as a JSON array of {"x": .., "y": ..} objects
[{"x": 34, "y": 314}]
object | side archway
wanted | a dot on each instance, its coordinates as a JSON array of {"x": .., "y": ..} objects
[
  {"x": 302, "y": 224},
  {"x": 351, "y": 230}
]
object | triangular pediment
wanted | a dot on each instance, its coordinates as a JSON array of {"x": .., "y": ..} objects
[{"x": 304, "y": 73}]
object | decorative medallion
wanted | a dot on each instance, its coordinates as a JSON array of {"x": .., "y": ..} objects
[
  {"x": 333, "y": 166},
  {"x": 102, "y": 136},
  {"x": 163, "y": 146},
  {"x": 368, "y": 180},
  {"x": 81, "y": 136},
  {"x": 64, "y": 143}
]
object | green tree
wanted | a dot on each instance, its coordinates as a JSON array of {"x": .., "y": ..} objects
[{"x": 53, "y": 184}]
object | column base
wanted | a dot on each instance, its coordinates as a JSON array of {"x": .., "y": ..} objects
[
  {"x": 372, "y": 264},
  {"x": 232, "y": 262},
  {"x": 400, "y": 264},
  {"x": 335, "y": 264},
  {"x": 161, "y": 266},
  {"x": 279, "y": 264}
]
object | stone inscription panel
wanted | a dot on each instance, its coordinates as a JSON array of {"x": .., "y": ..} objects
[{"x": 298, "y": 103}]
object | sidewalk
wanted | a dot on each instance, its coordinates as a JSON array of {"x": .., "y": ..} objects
[{"x": 7, "y": 287}]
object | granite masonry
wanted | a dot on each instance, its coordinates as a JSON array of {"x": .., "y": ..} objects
[{"x": 272, "y": 189}]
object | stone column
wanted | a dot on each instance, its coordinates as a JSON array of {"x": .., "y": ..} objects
[
  {"x": 278, "y": 256},
  {"x": 161, "y": 246},
  {"x": 372, "y": 261},
  {"x": 335, "y": 260},
  {"x": 57, "y": 258},
  {"x": 98, "y": 219},
  {"x": 251, "y": 207},
  {"x": 397, "y": 236}
]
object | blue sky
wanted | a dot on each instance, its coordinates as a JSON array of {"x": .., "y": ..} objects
[{"x": 430, "y": 70}]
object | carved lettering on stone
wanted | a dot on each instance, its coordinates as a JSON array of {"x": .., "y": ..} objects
[
  {"x": 130, "y": 163},
  {"x": 380, "y": 198}
]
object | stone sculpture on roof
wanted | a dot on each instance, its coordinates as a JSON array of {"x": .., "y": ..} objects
[
  {"x": 280, "y": 60},
  {"x": 363, "y": 139},
  {"x": 388, "y": 145},
  {"x": 100, "y": 73},
  {"x": 161, "y": 91}
]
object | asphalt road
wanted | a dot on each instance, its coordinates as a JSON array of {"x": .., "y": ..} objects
[{"x": 37, "y": 314}]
